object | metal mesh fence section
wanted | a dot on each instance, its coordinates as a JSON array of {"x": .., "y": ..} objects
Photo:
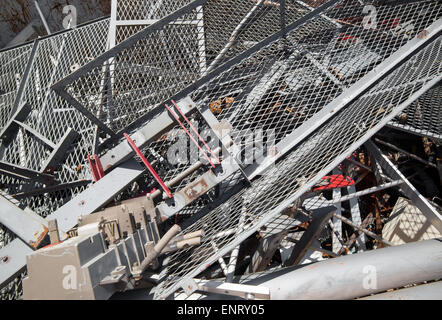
[
  {"x": 284, "y": 85},
  {"x": 146, "y": 10},
  {"x": 161, "y": 60},
  {"x": 424, "y": 117},
  {"x": 133, "y": 16},
  {"x": 261, "y": 204},
  {"x": 12, "y": 67},
  {"x": 52, "y": 116}
]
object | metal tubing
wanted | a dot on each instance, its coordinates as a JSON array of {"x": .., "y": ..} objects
[
  {"x": 156, "y": 251},
  {"x": 196, "y": 132},
  {"x": 234, "y": 35},
  {"x": 42, "y": 17},
  {"x": 412, "y": 156},
  {"x": 358, "y": 275},
  {"x": 367, "y": 191},
  {"x": 368, "y": 233},
  {"x": 430, "y": 291}
]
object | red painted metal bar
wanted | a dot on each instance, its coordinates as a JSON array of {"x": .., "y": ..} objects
[
  {"x": 188, "y": 133},
  {"x": 148, "y": 165},
  {"x": 196, "y": 132},
  {"x": 96, "y": 167}
]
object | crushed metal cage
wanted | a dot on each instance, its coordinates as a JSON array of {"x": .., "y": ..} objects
[{"x": 299, "y": 86}]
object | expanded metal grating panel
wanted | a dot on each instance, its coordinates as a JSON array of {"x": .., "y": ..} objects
[
  {"x": 13, "y": 64},
  {"x": 163, "y": 59},
  {"x": 424, "y": 117},
  {"x": 316, "y": 156},
  {"x": 55, "y": 57},
  {"x": 51, "y": 116},
  {"x": 130, "y": 17},
  {"x": 144, "y": 10},
  {"x": 280, "y": 90}
]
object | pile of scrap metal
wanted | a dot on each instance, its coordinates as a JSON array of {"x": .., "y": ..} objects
[{"x": 207, "y": 149}]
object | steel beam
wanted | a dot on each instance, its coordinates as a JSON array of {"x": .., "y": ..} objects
[
  {"x": 97, "y": 195},
  {"x": 28, "y": 226},
  {"x": 13, "y": 260}
]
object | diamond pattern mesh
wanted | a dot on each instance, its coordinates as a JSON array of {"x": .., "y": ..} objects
[
  {"x": 424, "y": 117},
  {"x": 320, "y": 152}
]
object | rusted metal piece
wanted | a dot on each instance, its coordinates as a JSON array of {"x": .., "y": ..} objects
[{"x": 195, "y": 190}]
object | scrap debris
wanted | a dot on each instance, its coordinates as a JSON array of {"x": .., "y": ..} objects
[{"x": 231, "y": 140}]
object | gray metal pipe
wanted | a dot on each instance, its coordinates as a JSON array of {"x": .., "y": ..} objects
[
  {"x": 157, "y": 249},
  {"x": 430, "y": 291},
  {"x": 358, "y": 275}
]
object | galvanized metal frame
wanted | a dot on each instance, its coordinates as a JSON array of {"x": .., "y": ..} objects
[{"x": 176, "y": 283}]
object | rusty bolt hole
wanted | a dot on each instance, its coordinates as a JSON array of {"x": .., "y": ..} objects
[{"x": 5, "y": 259}]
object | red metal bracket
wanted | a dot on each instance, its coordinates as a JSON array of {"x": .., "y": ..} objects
[
  {"x": 190, "y": 136},
  {"x": 148, "y": 165},
  {"x": 196, "y": 132},
  {"x": 96, "y": 167},
  {"x": 335, "y": 181}
]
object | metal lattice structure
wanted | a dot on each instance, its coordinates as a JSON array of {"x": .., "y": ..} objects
[
  {"x": 423, "y": 117},
  {"x": 265, "y": 201},
  {"x": 299, "y": 86}
]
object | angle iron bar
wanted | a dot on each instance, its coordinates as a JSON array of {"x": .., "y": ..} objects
[
  {"x": 71, "y": 100},
  {"x": 416, "y": 131},
  {"x": 303, "y": 189},
  {"x": 13, "y": 260},
  {"x": 49, "y": 189},
  {"x": 144, "y": 135},
  {"x": 27, "y": 225},
  {"x": 25, "y": 173}
]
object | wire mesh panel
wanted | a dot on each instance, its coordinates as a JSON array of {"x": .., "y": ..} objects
[
  {"x": 130, "y": 17},
  {"x": 346, "y": 130},
  {"x": 13, "y": 64},
  {"x": 424, "y": 117},
  {"x": 284, "y": 85},
  {"x": 55, "y": 57},
  {"x": 51, "y": 116},
  {"x": 155, "y": 64}
]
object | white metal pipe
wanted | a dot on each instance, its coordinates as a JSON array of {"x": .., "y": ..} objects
[
  {"x": 430, "y": 291},
  {"x": 42, "y": 17},
  {"x": 358, "y": 275}
]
